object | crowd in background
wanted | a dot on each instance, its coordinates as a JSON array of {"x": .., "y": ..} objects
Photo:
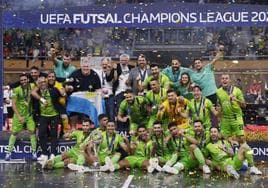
[
  {"x": 248, "y": 43},
  {"x": 32, "y": 43},
  {"x": 255, "y": 93}
]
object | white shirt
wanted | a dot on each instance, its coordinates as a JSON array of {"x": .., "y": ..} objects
[
  {"x": 6, "y": 95},
  {"x": 122, "y": 80},
  {"x": 106, "y": 87}
]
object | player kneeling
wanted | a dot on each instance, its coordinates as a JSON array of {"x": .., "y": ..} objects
[
  {"x": 223, "y": 157},
  {"x": 190, "y": 156},
  {"x": 141, "y": 149},
  {"x": 108, "y": 154},
  {"x": 162, "y": 151}
]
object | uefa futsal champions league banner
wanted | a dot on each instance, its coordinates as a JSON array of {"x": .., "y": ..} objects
[
  {"x": 22, "y": 149},
  {"x": 140, "y": 15}
]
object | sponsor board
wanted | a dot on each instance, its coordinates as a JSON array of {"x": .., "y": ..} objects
[{"x": 22, "y": 149}]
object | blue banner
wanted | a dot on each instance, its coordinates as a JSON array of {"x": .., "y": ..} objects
[
  {"x": 1, "y": 65},
  {"x": 140, "y": 15},
  {"x": 22, "y": 149}
]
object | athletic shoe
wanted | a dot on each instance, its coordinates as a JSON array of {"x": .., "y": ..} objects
[
  {"x": 96, "y": 165},
  {"x": 109, "y": 163},
  {"x": 8, "y": 157},
  {"x": 170, "y": 170},
  {"x": 206, "y": 169},
  {"x": 255, "y": 170},
  {"x": 43, "y": 163},
  {"x": 178, "y": 166},
  {"x": 49, "y": 164},
  {"x": 151, "y": 166},
  {"x": 165, "y": 168},
  {"x": 34, "y": 156},
  {"x": 42, "y": 158},
  {"x": 156, "y": 165},
  {"x": 232, "y": 172},
  {"x": 80, "y": 168},
  {"x": 76, "y": 167},
  {"x": 104, "y": 168},
  {"x": 150, "y": 169},
  {"x": 52, "y": 156},
  {"x": 158, "y": 168}
]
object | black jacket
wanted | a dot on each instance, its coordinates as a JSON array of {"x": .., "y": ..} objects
[{"x": 55, "y": 95}]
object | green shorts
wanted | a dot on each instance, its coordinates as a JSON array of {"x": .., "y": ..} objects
[
  {"x": 81, "y": 160},
  {"x": 232, "y": 127},
  {"x": 234, "y": 162},
  {"x": 189, "y": 163},
  {"x": 18, "y": 127},
  {"x": 73, "y": 152},
  {"x": 101, "y": 158},
  {"x": 76, "y": 155},
  {"x": 163, "y": 159},
  {"x": 135, "y": 161}
]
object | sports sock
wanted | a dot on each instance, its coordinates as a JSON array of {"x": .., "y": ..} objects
[
  {"x": 116, "y": 166},
  {"x": 33, "y": 142},
  {"x": 11, "y": 142},
  {"x": 115, "y": 158},
  {"x": 248, "y": 154},
  {"x": 249, "y": 157},
  {"x": 199, "y": 156},
  {"x": 172, "y": 160},
  {"x": 57, "y": 158},
  {"x": 58, "y": 164}
]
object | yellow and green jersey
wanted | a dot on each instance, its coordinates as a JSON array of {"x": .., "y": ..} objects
[
  {"x": 202, "y": 139},
  {"x": 170, "y": 111},
  {"x": 160, "y": 144},
  {"x": 216, "y": 152},
  {"x": 48, "y": 110},
  {"x": 230, "y": 109},
  {"x": 22, "y": 98},
  {"x": 200, "y": 110},
  {"x": 79, "y": 136},
  {"x": 110, "y": 143},
  {"x": 143, "y": 149},
  {"x": 163, "y": 80},
  {"x": 155, "y": 99},
  {"x": 136, "y": 111},
  {"x": 179, "y": 145}
]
